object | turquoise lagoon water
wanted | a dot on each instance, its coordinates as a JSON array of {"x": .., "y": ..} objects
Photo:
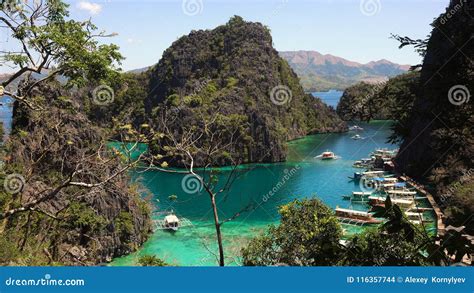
[{"x": 306, "y": 177}]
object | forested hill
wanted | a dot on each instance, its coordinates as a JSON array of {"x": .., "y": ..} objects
[{"x": 233, "y": 76}]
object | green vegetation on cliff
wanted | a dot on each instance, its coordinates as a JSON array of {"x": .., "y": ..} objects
[
  {"x": 438, "y": 134},
  {"x": 390, "y": 100},
  {"x": 232, "y": 74},
  {"x": 66, "y": 198}
]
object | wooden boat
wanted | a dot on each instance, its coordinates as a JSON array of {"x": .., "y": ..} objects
[
  {"x": 356, "y": 128},
  {"x": 357, "y": 137},
  {"x": 349, "y": 216},
  {"x": 327, "y": 155},
  {"x": 380, "y": 201},
  {"x": 171, "y": 222},
  {"x": 416, "y": 218},
  {"x": 401, "y": 192},
  {"x": 357, "y": 196}
]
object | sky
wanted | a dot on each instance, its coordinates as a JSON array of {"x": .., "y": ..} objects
[{"x": 358, "y": 30}]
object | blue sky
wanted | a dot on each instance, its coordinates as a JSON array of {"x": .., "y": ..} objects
[{"x": 340, "y": 27}]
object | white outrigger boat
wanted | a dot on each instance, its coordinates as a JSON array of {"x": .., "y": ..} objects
[
  {"x": 357, "y": 137},
  {"x": 354, "y": 217},
  {"x": 416, "y": 218},
  {"x": 358, "y": 196},
  {"x": 403, "y": 203},
  {"x": 356, "y": 128},
  {"x": 171, "y": 222},
  {"x": 327, "y": 155},
  {"x": 401, "y": 192}
]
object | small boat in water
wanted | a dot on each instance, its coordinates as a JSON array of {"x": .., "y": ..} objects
[
  {"x": 356, "y": 128},
  {"x": 349, "y": 216},
  {"x": 357, "y": 137},
  {"x": 327, "y": 155},
  {"x": 380, "y": 201},
  {"x": 171, "y": 222}
]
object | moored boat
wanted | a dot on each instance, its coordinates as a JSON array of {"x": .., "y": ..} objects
[
  {"x": 356, "y": 128},
  {"x": 356, "y": 217},
  {"x": 380, "y": 201},
  {"x": 327, "y": 155}
]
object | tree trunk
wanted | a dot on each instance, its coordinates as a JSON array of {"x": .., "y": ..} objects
[{"x": 218, "y": 230}]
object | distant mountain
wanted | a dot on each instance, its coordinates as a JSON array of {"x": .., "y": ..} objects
[
  {"x": 320, "y": 72},
  {"x": 140, "y": 70}
]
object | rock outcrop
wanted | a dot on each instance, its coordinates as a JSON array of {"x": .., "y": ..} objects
[{"x": 233, "y": 71}]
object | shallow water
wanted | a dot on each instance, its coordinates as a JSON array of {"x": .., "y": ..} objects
[{"x": 301, "y": 176}]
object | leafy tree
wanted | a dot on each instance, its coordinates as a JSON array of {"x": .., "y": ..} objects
[
  {"x": 308, "y": 235},
  {"x": 397, "y": 97},
  {"x": 152, "y": 261},
  {"x": 377, "y": 248},
  {"x": 356, "y": 103},
  {"x": 46, "y": 45}
]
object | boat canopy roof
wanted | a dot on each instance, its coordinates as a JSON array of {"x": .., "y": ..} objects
[
  {"x": 171, "y": 219},
  {"x": 401, "y": 192},
  {"x": 354, "y": 212},
  {"x": 373, "y": 172}
]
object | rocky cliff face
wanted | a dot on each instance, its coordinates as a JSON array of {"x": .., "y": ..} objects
[
  {"x": 442, "y": 116},
  {"x": 439, "y": 145},
  {"x": 77, "y": 225},
  {"x": 235, "y": 72}
]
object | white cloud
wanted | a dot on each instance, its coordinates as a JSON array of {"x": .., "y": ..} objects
[{"x": 92, "y": 8}]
